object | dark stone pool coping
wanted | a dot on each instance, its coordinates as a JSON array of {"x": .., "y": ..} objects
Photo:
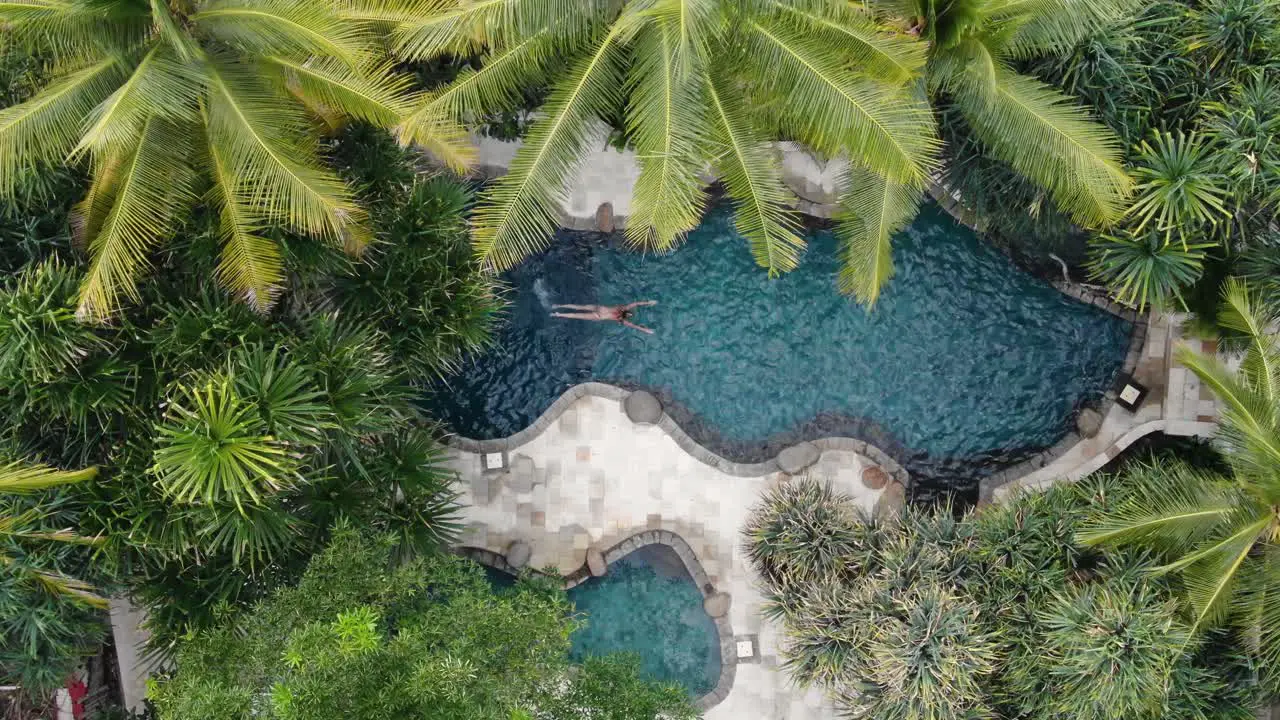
[
  {"x": 619, "y": 550},
  {"x": 677, "y": 433}
]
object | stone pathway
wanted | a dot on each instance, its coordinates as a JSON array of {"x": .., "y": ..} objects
[{"x": 592, "y": 478}]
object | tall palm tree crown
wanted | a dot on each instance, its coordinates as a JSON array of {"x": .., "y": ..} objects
[
  {"x": 707, "y": 83},
  {"x": 173, "y": 102},
  {"x": 1222, "y": 534}
]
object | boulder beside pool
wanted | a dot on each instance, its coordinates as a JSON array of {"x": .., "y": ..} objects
[
  {"x": 795, "y": 459},
  {"x": 717, "y": 604},
  {"x": 642, "y": 407},
  {"x": 518, "y": 554},
  {"x": 595, "y": 563},
  {"x": 1088, "y": 422}
]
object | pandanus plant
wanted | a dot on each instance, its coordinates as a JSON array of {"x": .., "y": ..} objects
[
  {"x": 174, "y": 102},
  {"x": 708, "y": 83}
]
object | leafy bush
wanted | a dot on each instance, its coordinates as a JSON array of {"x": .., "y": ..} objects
[
  {"x": 995, "y": 614},
  {"x": 428, "y": 638}
]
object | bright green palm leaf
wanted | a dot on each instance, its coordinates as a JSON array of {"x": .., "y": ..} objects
[
  {"x": 688, "y": 27},
  {"x": 377, "y": 95},
  {"x": 87, "y": 215},
  {"x": 251, "y": 266},
  {"x": 1244, "y": 313},
  {"x": 872, "y": 209},
  {"x": 72, "y": 29},
  {"x": 664, "y": 118},
  {"x": 44, "y": 128},
  {"x": 155, "y": 183},
  {"x": 1037, "y": 130},
  {"x": 1171, "y": 506},
  {"x": 752, "y": 176},
  {"x": 19, "y": 477},
  {"x": 168, "y": 29},
  {"x": 261, "y": 138},
  {"x": 158, "y": 85},
  {"x": 499, "y": 83},
  {"x": 1210, "y": 581},
  {"x": 519, "y": 211},
  {"x": 273, "y": 27},
  {"x": 461, "y": 28},
  {"x": 1249, "y": 427},
  {"x": 834, "y": 111},
  {"x": 881, "y": 54},
  {"x": 1055, "y": 26}
]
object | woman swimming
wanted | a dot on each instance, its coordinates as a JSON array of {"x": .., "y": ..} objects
[{"x": 609, "y": 313}]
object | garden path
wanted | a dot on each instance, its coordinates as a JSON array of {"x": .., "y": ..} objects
[{"x": 593, "y": 478}]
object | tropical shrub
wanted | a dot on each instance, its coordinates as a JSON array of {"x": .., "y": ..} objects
[
  {"x": 998, "y": 613},
  {"x": 428, "y": 638},
  {"x": 230, "y": 441},
  {"x": 708, "y": 84},
  {"x": 51, "y": 616},
  {"x": 171, "y": 104}
]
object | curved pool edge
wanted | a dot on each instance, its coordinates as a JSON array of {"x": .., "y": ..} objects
[
  {"x": 683, "y": 440},
  {"x": 623, "y": 548}
]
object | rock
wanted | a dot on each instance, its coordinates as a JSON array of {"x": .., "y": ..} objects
[
  {"x": 642, "y": 407},
  {"x": 717, "y": 604},
  {"x": 891, "y": 500},
  {"x": 604, "y": 217},
  {"x": 521, "y": 475},
  {"x": 796, "y": 458},
  {"x": 596, "y": 563},
  {"x": 875, "y": 478},
  {"x": 1088, "y": 422},
  {"x": 518, "y": 554}
]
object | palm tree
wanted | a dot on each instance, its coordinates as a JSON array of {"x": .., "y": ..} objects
[
  {"x": 1223, "y": 532},
  {"x": 170, "y": 102},
  {"x": 706, "y": 83},
  {"x": 700, "y": 83},
  {"x": 18, "y": 478}
]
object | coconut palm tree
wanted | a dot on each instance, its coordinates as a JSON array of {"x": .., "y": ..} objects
[
  {"x": 1222, "y": 533},
  {"x": 700, "y": 83},
  {"x": 706, "y": 83},
  {"x": 18, "y": 478},
  {"x": 173, "y": 102}
]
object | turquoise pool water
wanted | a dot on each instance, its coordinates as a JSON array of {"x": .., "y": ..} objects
[
  {"x": 966, "y": 362},
  {"x": 647, "y": 604}
]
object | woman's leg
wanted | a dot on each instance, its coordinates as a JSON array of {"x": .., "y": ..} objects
[
  {"x": 577, "y": 316},
  {"x": 588, "y": 308}
]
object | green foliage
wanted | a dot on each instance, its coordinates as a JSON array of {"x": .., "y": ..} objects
[
  {"x": 428, "y": 638},
  {"x": 995, "y": 614},
  {"x": 1146, "y": 270},
  {"x": 1215, "y": 532},
  {"x": 170, "y": 105}
]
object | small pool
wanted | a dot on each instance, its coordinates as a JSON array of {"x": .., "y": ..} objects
[
  {"x": 647, "y": 604},
  {"x": 965, "y": 363}
]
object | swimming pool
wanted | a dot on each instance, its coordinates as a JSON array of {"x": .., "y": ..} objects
[
  {"x": 965, "y": 363},
  {"x": 647, "y": 604}
]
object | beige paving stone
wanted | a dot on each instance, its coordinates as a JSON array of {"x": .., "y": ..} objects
[{"x": 606, "y": 479}]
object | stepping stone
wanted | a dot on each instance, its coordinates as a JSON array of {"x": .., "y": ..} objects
[
  {"x": 596, "y": 563},
  {"x": 891, "y": 500},
  {"x": 875, "y": 478},
  {"x": 796, "y": 458},
  {"x": 1088, "y": 422},
  {"x": 604, "y": 217},
  {"x": 717, "y": 604},
  {"x": 521, "y": 477},
  {"x": 518, "y": 554},
  {"x": 642, "y": 407}
]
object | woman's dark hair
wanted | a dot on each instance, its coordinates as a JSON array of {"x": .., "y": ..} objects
[{"x": 625, "y": 314}]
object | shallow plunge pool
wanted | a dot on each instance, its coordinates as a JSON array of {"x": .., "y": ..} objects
[{"x": 966, "y": 361}]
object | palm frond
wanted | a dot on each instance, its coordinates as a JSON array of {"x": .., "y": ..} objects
[
  {"x": 251, "y": 266},
  {"x": 79, "y": 590},
  {"x": 167, "y": 28},
  {"x": 69, "y": 28},
  {"x": 87, "y": 215},
  {"x": 274, "y": 27},
  {"x": 688, "y": 26},
  {"x": 154, "y": 183},
  {"x": 42, "y": 129},
  {"x": 872, "y": 209},
  {"x": 264, "y": 141},
  {"x": 1055, "y": 26},
  {"x": 1242, "y": 312},
  {"x": 665, "y": 116},
  {"x": 462, "y": 29},
  {"x": 159, "y": 85},
  {"x": 498, "y": 84},
  {"x": 376, "y": 94},
  {"x": 1171, "y": 505},
  {"x": 752, "y": 176},
  {"x": 834, "y": 111},
  {"x": 879, "y": 53},
  {"x": 1211, "y": 579},
  {"x": 1250, "y": 424},
  {"x": 19, "y": 477},
  {"x": 519, "y": 212},
  {"x": 1053, "y": 143}
]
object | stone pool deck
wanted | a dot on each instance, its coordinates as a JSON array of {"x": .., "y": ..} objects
[{"x": 590, "y": 478}]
